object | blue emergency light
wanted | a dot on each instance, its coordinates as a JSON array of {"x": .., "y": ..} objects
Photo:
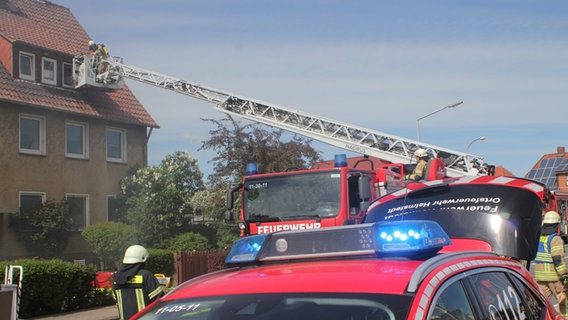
[
  {"x": 383, "y": 239},
  {"x": 340, "y": 160},
  {"x": 252, "y": 168}
]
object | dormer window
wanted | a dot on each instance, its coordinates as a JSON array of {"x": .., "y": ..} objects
[
  {"x": 67, "y": 74},
  {"x": 27, "y": 70},
  {"x": 48, "y": 71}
]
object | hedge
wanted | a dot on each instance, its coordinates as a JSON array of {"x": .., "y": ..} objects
[{"x": 55, "y": 286}]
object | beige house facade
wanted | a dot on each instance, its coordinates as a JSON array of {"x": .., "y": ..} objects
[{"x": 58, "y": 142}]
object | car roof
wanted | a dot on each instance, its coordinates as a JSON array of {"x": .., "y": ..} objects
[
  {"x": 388, "y": 277},
  {"x": 369, "y": 275}
]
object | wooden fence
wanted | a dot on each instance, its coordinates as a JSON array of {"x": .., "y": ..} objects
[{"x": 192, "y": 264}]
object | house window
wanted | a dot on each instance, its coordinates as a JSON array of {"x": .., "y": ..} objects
[
  {"x": 78, "y": 210},
  {"x": 32, "y": 134},
  {"x": 27, "y": 70},
  {"x": 113, "y": 208},
  {"x": 48, "y": 71},
  {"x": 116, "y": 145},
  {"x": 76, "y": 140},
  {"x": 67, "y": 74},
  {"x": 30, "y": 201}
]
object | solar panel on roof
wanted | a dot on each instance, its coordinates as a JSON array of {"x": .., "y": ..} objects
[
  {"x": 563, "y": 166},
  {"x": 546, "y": 171}
]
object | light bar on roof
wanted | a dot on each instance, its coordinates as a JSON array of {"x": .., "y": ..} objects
[{"x": 400, "y": 238}]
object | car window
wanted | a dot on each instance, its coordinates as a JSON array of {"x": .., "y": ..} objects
[
  {"x": 498, "y": 297},
  {"x": 452, "y": 304},
  {"x": 535, "y": 306}
]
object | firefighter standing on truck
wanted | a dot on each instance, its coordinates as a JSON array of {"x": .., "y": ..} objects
[
  {"x": 134, "y": 287},
  {"x": 550, "y": 265},
  {"x": 421, "y": 161}
]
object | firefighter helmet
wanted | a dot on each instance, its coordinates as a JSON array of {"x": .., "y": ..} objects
[
  {"x": 420, "y": 153},
  {"x": 135, "y": 254},
  {"x": 551, "y": 217},
  {"x": 92, "y": 45}
]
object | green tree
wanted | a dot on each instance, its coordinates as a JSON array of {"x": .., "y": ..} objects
[
  {"x": 236, "y": 145},
  {"x": 158, "y": 197},
  {"x": 45, "y": 230},
  {"x": 210, "y": 204},
  {"x": 109, "y": 240},
  {"x": 227, "y": 235},
  {"x": 188, "y": 242}
]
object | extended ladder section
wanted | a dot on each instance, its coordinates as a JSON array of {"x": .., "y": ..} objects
[{"x": 342, "y": 135}]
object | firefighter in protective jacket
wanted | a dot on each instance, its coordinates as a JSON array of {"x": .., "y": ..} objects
[
  {"x": 419, "y": 172},
  {"x": 134, "y": 287},
  {"x": 550, "y": 265}
]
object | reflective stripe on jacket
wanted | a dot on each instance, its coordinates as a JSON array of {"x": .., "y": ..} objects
[
  {"x": 545, "y": 269},
  {"x": 137, "y": 293}
]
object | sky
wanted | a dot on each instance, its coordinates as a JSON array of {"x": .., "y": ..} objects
[{"x": 380, "y": 65}]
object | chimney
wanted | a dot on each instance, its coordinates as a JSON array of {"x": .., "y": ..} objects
[{"x": 560, "y": 151}]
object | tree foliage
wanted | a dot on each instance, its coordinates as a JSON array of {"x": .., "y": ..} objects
[
  {"x": 188, "y": 242},
  {"x": 236, "y": 145},
  {"x": 158, "y": 197},
  {"x": 210, "y": 204},
  {"x": 45, "y": 230},
  {"x": 109, "y": 240}
]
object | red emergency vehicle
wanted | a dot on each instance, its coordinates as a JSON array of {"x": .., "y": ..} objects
[
  {"x": 315, "y": 198},
  {"x": 382, "y": 271},
  {"x": 474, "y": 207}
]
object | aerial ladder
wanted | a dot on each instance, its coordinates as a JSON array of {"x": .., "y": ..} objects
[{"x": 341, "y": 135}]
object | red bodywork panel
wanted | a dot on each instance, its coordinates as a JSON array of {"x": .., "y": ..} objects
[
  {"x": 356, "y": 276},
  {"x": 320, "y": 276}
]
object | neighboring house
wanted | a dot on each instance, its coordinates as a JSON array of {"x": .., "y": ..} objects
[
  {"x": 58, "y": 142},
  {"x": 552, "y": 170}
]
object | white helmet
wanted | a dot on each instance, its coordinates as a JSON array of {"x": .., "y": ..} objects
[
  {"x": 420, "y": 153},
  {"x": 551, "y": 217},
  {"x": 91, "y": 42},
  {"x": 135, "y": 254}
]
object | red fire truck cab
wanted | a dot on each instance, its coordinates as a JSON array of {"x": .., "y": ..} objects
[{"x": 310, "y": 199}]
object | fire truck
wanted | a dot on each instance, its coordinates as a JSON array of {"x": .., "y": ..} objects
[{"x": 301, "y": 199}]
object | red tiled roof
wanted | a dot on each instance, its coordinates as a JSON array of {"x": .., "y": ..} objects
[
  {"x": 51, "y": 26},
  {"x": 502, "y": 171}
]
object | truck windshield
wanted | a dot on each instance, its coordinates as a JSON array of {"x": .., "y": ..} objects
[
  {"x": 292, "y": 196},
  {"x": 283, "y": 306}
]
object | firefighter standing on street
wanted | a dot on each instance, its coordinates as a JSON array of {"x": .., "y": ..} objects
[
  {"x": 550, "y": 265},
  {"x": 421, "y": 161},
  {"x": 134, "y": 287}
]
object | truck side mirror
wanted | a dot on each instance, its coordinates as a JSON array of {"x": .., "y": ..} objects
[
  {"x": 230, "y": 191},
  {"x": 230, "y": 201},
  {"x": 364, "y": 186},
  {"x": 229, "y": 216}
]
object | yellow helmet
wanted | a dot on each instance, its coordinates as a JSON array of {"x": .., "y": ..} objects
[{"x": 551, "y": 217}]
